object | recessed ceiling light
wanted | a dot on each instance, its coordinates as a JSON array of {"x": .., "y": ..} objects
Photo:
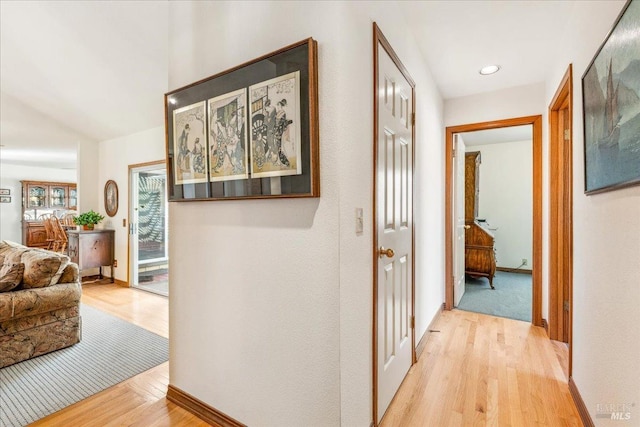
[{"x": 489, "y": 69}]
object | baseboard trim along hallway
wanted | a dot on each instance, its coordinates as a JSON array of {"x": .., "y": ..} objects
[
  {"x": 430, "y": 329},
  {"x": 200, "y": 409},
  {"x": 580, "y": 405}
]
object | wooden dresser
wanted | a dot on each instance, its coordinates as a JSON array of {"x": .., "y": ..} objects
[
  {"x": 479, "y": 252},
  {"x": 34, "y": 234},
  {"x": 92, "y": 248}
]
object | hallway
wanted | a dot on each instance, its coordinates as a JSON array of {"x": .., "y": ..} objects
[
  {"x": 484, "y": 370},
  {"x": 478, "y": 370}
]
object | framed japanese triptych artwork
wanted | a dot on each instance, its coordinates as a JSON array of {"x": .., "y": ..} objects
[{"x": 249, "y": 132}]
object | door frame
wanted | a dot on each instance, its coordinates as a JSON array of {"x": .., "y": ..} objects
[
  {"x": 134, "y": 166},
  {"x": 379, "y": 38},
  {"x": 536, "y": 122},
  {"x": 561, "y": 186}
]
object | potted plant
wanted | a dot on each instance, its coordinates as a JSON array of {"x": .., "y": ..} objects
[{"x": 88, "y": 219}]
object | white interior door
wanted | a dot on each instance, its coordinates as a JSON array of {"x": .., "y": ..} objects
[
  {"x": 458, "y": 219},
  {"x": 394, "y": 222}
]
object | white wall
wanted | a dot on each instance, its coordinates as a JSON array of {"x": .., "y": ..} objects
[
  {"x": 606, "y": 232},
  {"x": 89, "y": 191},
  {"x": 10, "y": 177},
  {"x": 506, "y": 193},
  {"x": 502, "y": 104},
  {"x": 270, "y": 300},
  {"x": 115, "y": 157}
]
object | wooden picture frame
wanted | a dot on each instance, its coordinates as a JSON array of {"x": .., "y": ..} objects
[
  {"x": 261, "y": 130},
  {"x": 111, "y": 197},
  {"x": 611, "y": 107}
]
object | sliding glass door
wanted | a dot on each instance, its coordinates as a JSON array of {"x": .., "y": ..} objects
[{"x": 148, "y": 228}]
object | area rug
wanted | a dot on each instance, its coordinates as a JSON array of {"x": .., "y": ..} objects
[
  {"x": 511, "y": 298},
  {"x": 110, "y": 352}
]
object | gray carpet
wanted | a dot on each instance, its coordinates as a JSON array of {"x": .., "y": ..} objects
[
  {"x": 111, "y": 351},
  {"x": 511, "y": 298}
]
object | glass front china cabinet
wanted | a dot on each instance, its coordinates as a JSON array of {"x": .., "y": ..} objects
[{"x": 41, "y": 199}]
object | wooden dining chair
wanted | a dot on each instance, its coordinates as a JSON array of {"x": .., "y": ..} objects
[
  {"x": 51, "y": 235},
  {"x": 67, "y": 220},
  {"x": 60, "y": 235}
]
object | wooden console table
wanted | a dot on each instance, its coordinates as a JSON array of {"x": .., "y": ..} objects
[{"x": 92, "y": 248}]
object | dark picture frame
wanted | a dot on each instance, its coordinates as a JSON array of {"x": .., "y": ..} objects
[
  {"x": 5, "y": 191},
  {"x": 611, "y": 107},
  {"x": 111, "y": 197},
  {"x": 261, "y": 130},
  {"x": 5, "y": 199}
]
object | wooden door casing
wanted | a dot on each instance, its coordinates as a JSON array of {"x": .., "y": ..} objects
[{"x": 561, "y": 213}]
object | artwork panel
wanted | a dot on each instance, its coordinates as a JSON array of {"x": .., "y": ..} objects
[
  {"x": 5, "y": 191},
  {"x": 291, "y": 156},
  {"x": 189, "y": 144},
  {"x": 275, "y": 124},
  {"x": 228, "y": 149},
  {"x": 5, "y": 199},
  {"x": 611, "y": 107}
]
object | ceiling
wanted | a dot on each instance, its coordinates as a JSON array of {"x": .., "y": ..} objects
[
  {"x": 93, "y": 71},
  {"x": 457, "y": 38},
  {"x": 78, "y": 71}
]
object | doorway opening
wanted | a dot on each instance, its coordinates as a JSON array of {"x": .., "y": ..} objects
[
  {"x": 455, "y": 226},
  {"x": 148, "y": 228},
  {"x": 493, "y": 173}
]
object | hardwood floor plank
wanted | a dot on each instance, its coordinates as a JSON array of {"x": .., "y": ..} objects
[
  {"x": 484, "y": 371},
  {"x": 139, "y": 401},
  {"x": 477, "y": 371}
]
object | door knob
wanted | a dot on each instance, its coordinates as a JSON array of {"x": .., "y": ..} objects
[
  {"x": 466, "y": 227},
  {"x": 388, "y": 252}
]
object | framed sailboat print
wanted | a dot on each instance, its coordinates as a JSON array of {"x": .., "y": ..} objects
[{"x": 611, "y": 107}]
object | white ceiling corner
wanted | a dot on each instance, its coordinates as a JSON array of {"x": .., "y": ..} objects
[
  {"x": 87, "y": 70},
  {"x": 457, "y": 38}
]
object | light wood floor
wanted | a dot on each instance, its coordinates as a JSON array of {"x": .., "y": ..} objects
[
  {"x": 481, "y": 370},
  {"x": 138, "y": 401},
  {"x": 478, "y": 370}
]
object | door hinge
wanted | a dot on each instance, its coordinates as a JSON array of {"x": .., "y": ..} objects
[
  {"x": 566, "y": 306},
  {"x": 453, "y": 151},
  {"x": 413, "y": 322},
  {"x": 567, "y": 134},
  {"x": 413, "y": 118}
]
